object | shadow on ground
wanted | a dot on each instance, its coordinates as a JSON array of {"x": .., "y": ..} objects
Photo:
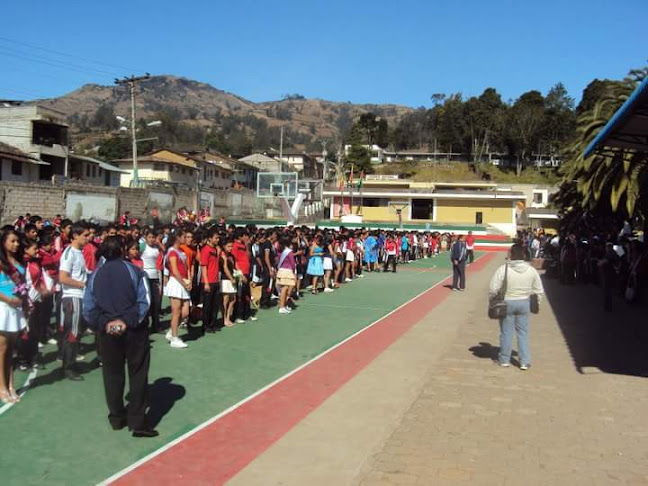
[
  {"x": 162, "y": 396},
  {"x": 613, "y": 342}
]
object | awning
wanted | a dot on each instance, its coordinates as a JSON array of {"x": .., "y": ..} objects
[{"x": 628, "y": 128}]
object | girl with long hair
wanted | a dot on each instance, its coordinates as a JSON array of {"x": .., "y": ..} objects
[
  {"x": 315, "y": 264},
  {"x": 228, "y": 280},
  {"x": 13, "y": 309},
  {"x": 177, "y": 287}
]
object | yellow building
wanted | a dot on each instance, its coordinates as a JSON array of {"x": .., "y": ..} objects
[
  {"x": 389, "y": 199},
  {"x": 162, "y": 165}
]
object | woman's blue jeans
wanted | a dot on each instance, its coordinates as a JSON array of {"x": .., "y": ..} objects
[{"x": 515, "y": 322}]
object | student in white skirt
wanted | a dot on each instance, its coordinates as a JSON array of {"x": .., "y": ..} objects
[
  {"x": 328, "y": 262},
  {"x": 12, "y": 319},
  {"x": 177, "y": 287},
  {"x": 228, "y": 281}
]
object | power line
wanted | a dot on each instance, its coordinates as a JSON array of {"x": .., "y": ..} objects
[
  {"x": 72, "y": 56},
  {"x": 51, "y": 62}
]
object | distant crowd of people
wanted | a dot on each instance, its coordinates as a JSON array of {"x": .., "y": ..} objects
[{"x": 615, "y": 259}]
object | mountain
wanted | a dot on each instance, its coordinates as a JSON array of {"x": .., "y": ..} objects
[{"x": 200, "y": 105}]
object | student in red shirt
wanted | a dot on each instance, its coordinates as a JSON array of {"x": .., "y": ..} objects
[
  {"x": 470, "y": 247},
  {"x": 209, "y": 267},
  {"x": 241, "y": 253},
  {"x": 133, "y": 254},
  {"x": 391, "y": 252}
]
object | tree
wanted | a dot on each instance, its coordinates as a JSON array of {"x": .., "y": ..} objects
[
  {"x": 104, "y": 118},
  {"x": 115, "y": 148},
  {"x": 452, "y": 128},
  {"x": 559, "y": 119},
  {"x": 524, "y": 121},
  {"x": 485, "y": 116}
]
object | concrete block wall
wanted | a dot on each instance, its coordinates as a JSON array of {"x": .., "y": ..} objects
[
  {"x": 48, "y": 200},
  {"x": 20, "y": 198}
]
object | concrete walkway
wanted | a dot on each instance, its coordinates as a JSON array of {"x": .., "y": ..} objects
[{"x": 434, "y": 409}]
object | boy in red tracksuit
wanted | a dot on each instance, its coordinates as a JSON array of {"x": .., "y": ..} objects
[
  {"x": 391, "y": 253},
  {"x": 49, "y": 261},
  {"x": 41, "y": 308}
]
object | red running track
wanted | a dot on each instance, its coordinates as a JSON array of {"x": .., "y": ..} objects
[{"x": 217, "y": 452}]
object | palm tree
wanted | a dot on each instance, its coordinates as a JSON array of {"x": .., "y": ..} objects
[{"x": 610, "y": 177}]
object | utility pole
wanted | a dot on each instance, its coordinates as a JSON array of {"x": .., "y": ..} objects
[
  {"x": 131, "y": 82},
  {"x": 281, "y": 146}
]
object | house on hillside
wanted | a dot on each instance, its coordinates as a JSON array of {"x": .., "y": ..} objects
[
  {"x": 376, "y": 153},
  {"x": 39, "y": 132},
  {"x": 307, "y": 165},
  {"x": 18, "y": 166},
  {"x": 265, "y": 163},
  {"x": 161, "y": 167},
  {"x": 216, "y": 170}
]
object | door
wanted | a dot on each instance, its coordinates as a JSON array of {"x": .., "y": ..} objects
[{"x": 479, "y": 217}]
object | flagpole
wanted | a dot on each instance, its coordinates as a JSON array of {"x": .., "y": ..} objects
[{"x": 351, "y": 188}]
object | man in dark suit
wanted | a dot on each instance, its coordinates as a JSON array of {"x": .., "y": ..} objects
[
  {"x": 458, "y": 254},
  {"x": 116, "y": 303}
]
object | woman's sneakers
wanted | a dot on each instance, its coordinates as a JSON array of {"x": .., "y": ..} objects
[
  {"x": 177, "y": 343},
  {"x": 328, "y": 290},
  {"x": 525, "y": 367},
  {"x": 284, "y": 310}
]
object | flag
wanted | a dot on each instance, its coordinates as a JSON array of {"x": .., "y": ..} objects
[
  {"x": 360, "y": 180},
  {"x": 350, "y": 181}
]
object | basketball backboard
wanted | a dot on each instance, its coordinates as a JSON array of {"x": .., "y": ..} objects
[{"x": 277, "y": 184}]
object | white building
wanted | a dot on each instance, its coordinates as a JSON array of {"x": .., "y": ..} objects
[{"x": 376, "y": 153}]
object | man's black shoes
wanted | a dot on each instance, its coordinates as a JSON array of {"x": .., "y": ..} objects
[
  {"x": 73, "y": 375},
  {"x": 145, "y": 433}
]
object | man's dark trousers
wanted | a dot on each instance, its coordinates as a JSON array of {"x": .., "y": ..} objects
[
  {"x": 211, "y": 304},
  {"x": 459, "y": 275},
  {"x": 243, "y": 298},
  {"x": 391, "y": 260},
  {"x": 131, "y": 350}
]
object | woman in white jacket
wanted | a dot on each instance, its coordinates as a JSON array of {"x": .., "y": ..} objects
[{"x": 522, "y": 281}]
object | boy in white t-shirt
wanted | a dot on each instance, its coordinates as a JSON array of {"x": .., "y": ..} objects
[{"x": 72, "y": 277}]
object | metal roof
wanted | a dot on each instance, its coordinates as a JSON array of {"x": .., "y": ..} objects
[
  {"x": 100, "y": 163},
  {"x": 628, "y": 127}
]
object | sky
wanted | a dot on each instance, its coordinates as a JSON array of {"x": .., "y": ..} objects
[{"x": 361, "y": 51}]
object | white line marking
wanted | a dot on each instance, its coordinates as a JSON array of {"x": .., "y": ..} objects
[
  {"x": 210, "y": 421},
  {"x": 305, "y": 304},
  {"x": 22, "y": 390}
]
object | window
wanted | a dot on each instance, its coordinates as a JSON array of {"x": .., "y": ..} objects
[
  {"x": 100, "y": 171},
  {"x": 184, "y": 171},
  {"x": 158, "y": 166},
  {"x": 374, "y": 202},
  {"x": 538, "y": 198},
  {"x": 16, "y": 168},
  {"x": 218, "y": 174},
  {"x": 87, "y": 166},
  {"x": 94, "y": 171}
]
